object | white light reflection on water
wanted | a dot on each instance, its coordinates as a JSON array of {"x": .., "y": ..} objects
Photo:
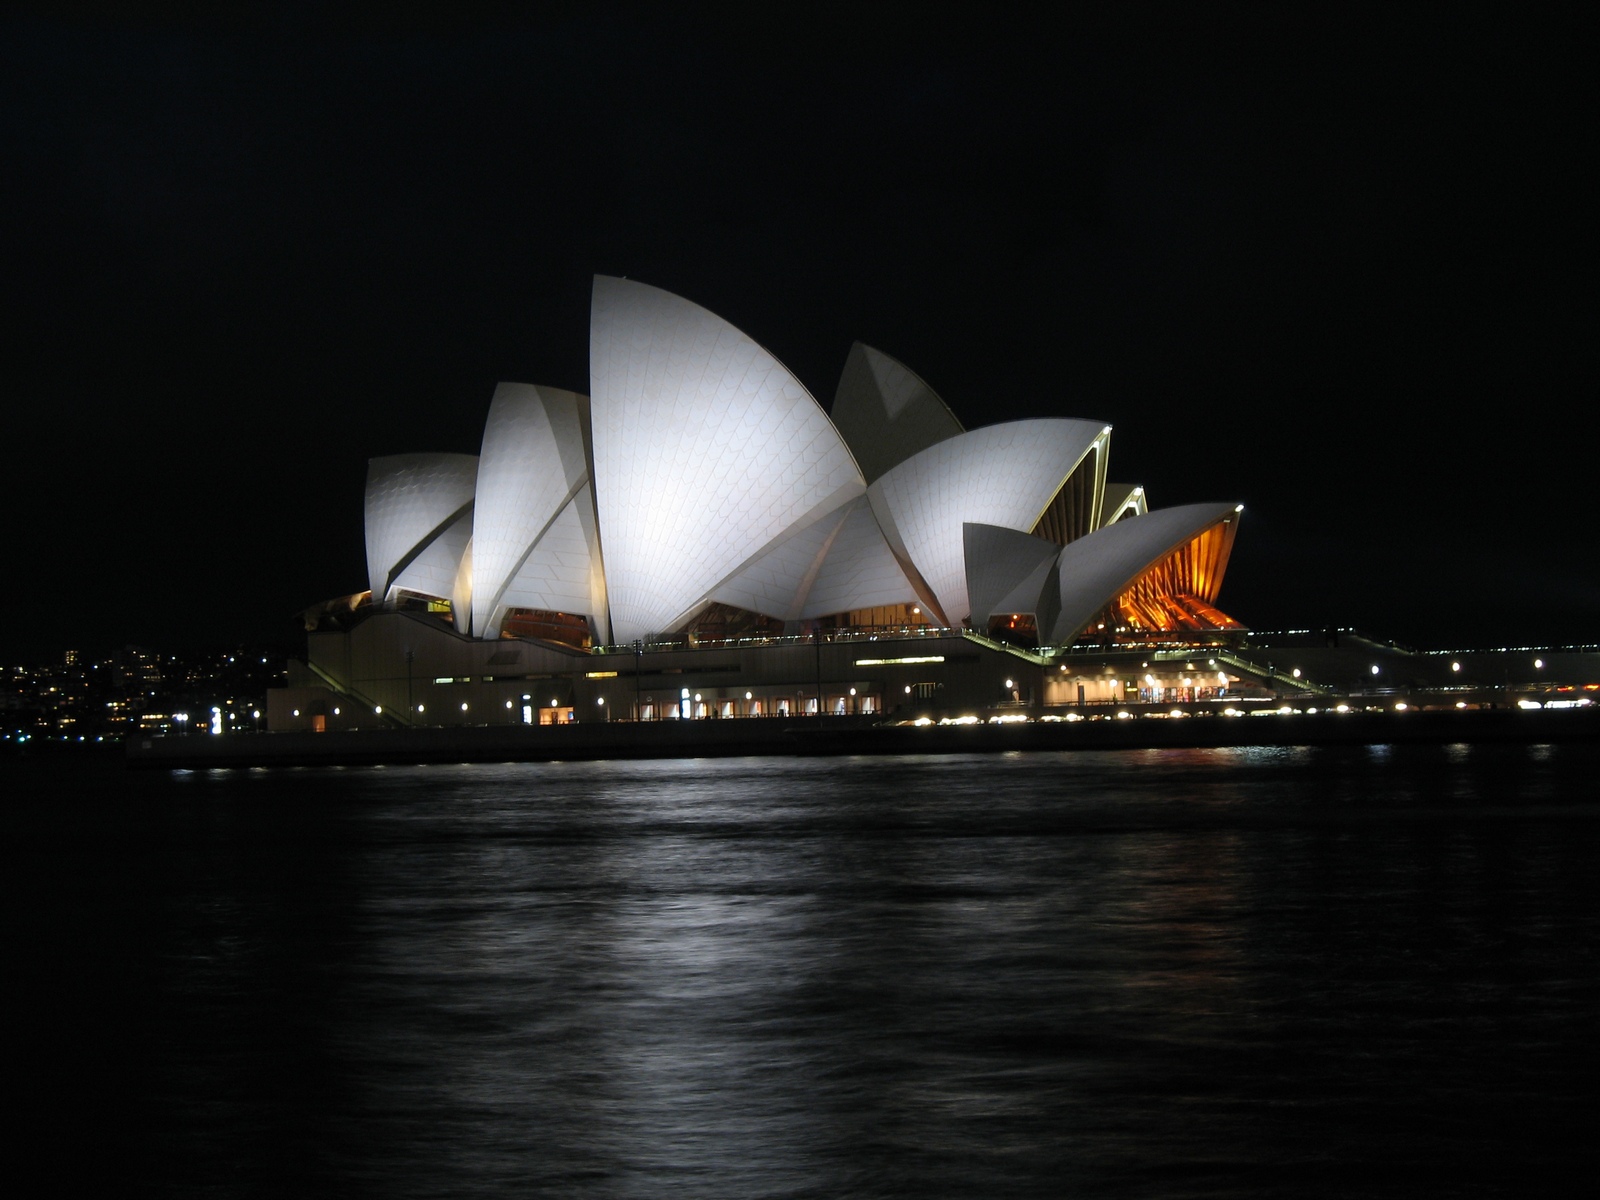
[{"x": 1183, "y": 972}]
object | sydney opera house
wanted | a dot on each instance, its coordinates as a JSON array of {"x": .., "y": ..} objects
[{"x": 698, "y": 538}]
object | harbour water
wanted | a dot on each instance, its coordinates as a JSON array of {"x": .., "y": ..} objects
[{"x": 1216, "y": 972}]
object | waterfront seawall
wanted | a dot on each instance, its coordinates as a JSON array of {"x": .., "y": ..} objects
[{"x": 846, "y": 735}]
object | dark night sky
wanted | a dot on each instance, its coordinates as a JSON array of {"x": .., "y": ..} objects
[{"x": 1331, "y": 267}]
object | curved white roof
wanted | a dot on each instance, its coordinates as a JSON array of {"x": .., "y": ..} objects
[
  {"x": 411, "y": 500},
  {"x": 833, "y": 565},
  {"x": 529, "y": 546},
  {"x": 859, "y": 569},
  {"x": 886, "y": 413},
  {"x": 706, "y": 449},
  {"x": 1000, "y": 563},
  {"x": 777, "y": 582},
  {"x": 1095, "y": 569},
  {"x": 999, "y": 475},
  {"x": 435, "y": 569}
]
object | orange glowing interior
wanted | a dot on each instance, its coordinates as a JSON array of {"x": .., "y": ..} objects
[{"x": 1179, "y": 592}]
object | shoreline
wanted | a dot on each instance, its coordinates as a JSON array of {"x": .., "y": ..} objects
[{"x": 813, "y": 736}]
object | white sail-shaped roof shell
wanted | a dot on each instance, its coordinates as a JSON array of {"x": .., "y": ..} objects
[
  {"x": 706, "y": 450},
  {"x": 999, "y": 475},
  {"x": 1096, "y": 569},
  {"x": 412, "y": 500},
  {"x": 860, "y": 569},
  {"x": 562, "y": 573},
  {"x": 435, "y": 571},
  {"x": 777, "y": 582},
  {"x": 534, "y": 543},
  {"x": 886, "y": 413},
  {"x": 1000, "y": 565},
  {"x": 838, "y": 563}
]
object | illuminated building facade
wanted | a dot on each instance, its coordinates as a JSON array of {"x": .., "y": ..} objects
[{"x": 700, "y": 501}]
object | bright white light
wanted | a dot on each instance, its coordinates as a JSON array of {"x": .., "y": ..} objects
[
  {"x": 377, "y": 708},
  {"x": 908, "y": 689},
  {"x": 697, "y": 697},
  {"x": 335, "y": 711},
  {"x": 1342, "y": 708},
  {"x": 852, "y": 692},
  {"x": 1461, "y": 703},
  {"x": 1529, "y": 704},
  {"x": 1374, "y": 668},
  {"x": 421, "y": 707},
  {"x": 508, "y": 704},
  {"x": 1222, "y": 679},
  {"x": 600, "y": 700},
  {"x": 1122, "y": 716},
  {"x": 749, "y": 696},
  {"x": 684, "y": 694},
  {"x": 1400, "y": 706},
  {"x": 181, "y": 717},
  {"x": 1296, "y": 672},
  {"x": 1455, "y": 666},
  {"x": 463, "y": 707},
  {"x": 1010, "y": 684},
  {"x": 1538, "y": 664}
]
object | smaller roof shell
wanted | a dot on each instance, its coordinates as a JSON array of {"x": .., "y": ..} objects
[
  {"x": 411, "y": 500},
  {"x": 998, "y": 475},
  {"x": 1096, "y": 569},
  {"x": 886, "y": 413}
]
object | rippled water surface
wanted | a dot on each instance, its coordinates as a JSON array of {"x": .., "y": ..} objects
[{"x": 1370, "y": 971}]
